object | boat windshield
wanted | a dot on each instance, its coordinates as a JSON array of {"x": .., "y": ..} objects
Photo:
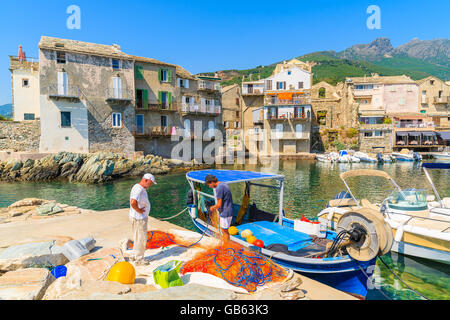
[{"x": 409, "y": 200}]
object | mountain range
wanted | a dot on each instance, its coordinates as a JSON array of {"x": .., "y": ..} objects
[
  {"x": 417, "y": 59},
  {"x": 6, "y": 110}
]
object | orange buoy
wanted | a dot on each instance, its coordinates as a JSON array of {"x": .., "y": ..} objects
[{"x": 251, "y": 239}]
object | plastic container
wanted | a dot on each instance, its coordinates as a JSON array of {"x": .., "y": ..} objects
[
  {"x": 193, "y": 211},
  {"x": 89, "y": 243},
  {"x": 74, "y": 249},
  {"x": 59, "y": 271}
]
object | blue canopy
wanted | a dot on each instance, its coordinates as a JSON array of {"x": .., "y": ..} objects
[
  {"x": 445, "y": 135},
  {"x": 436, "y": 165},
  {"x": 231, "y": 176}
]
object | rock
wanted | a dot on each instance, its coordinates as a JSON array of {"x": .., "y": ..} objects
[
  {"x": 17, "y": 166},
  {"x": 68, "y": 169},
  {"x": 25, "y": 284},
  {"x": 291, "y": 285},
  {"x": 32, "y": 254},
  {"x": 28, "y": 163},
  {"x": 48, "y": 209},
  {"x": 293, "y": 295},
  {"x": 64, "y": 288},
  {"x": 27, "y": 202}
]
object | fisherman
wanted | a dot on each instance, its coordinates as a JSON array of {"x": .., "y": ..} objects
[
  {"x": 224, "y": 205},
  {"x": 139, "y": 211}
]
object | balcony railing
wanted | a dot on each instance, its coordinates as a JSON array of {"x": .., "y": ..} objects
[
  {"x": 163, "y": 107},
  {"x": 274, "y": 101},
  {"x": 444, "y": 99},
  {"x": 252, "y": 91},
  {"x": 201, "y": 109},
  {"x": 289, "y": 116},
  {"x": 64, "y": 92},
  {"x": 209, "y": 86},
  {"x": 289, "y": 135},
  {"x": 416, "y": 125},
  {"x": 116, "y": 95}
]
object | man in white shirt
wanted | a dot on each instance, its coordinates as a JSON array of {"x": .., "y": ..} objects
[{"x": 139, "y": 211}]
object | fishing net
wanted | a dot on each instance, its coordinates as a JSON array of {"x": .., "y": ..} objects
[
  {"x": 237, "y": 266},
  {"x": 158, "y": 239}
]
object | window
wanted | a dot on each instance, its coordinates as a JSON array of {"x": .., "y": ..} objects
[
  {"x": 140, "y": 123},
  {"x": 165, "y": 99},
  {"x": 300, "y": 85},
  {"x": 116, "y": 64},
  {"x": 281, "y": 85},
  {"x": 117, "y": 87},
  {"x": 211, "y": 128},
  {"x": 378, "y": 133},
  {"x": 237, "y": 101},
  {"x": 117, "y": 120},
  {"x": 279, "y": 130},
  {"x": 268, "y": 84},
  {"x": 28, "y": 116},
  {"x": 368, "y": 134},
  {"x": 322, "y": 92},
  {"x": 66, "y": 121},
  {"x": 226, "y": 124},
  {"x": 165, "y": 75},
  {"x": 183, "y": 83},
  {"x": 431, "y": 82},
  {"x": 237, "y": 124},
  {"x": 62, "y": 84},
  {"x": 187, "y": 128},
  {"x": 60, "y": 57},
  {"x": 237, "y": 114},
  {"x": 164, "y": 121},
  {"x": 25, "y": 83}
]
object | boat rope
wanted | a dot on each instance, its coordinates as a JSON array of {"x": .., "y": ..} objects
[
  {"x": 164, "y": 219},
  {"x": 368, "y": 278},
  {"x": 395, "y": 275},
  {"x": 336, "y": 243}
]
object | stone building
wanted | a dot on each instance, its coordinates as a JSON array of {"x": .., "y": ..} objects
[
  {"x": 434, "y": 101},
  {"x": 231, "y": 115},
  {"x": 280, "y": 113},
  {"x": 86, "y": 97},
  {"x": 25, "y": 87}
]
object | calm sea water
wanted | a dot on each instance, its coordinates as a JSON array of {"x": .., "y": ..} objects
[{"x": 308, "y": 186}]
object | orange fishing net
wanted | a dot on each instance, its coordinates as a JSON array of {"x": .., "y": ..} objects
[
  {"x": 237, "y": 266},
  {"x": 158, "y": 239}
]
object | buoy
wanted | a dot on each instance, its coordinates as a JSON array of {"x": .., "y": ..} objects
[
  {"x": 122, "y": 272},
  {"x": 251, "y": 239},
  {"x": 246, "y": 233},
  {"x": 259, "y": 243},
  {"x": 233, "y": 231}
]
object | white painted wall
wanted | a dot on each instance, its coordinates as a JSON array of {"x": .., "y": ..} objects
[
  {"x": 53, "y": 136},
  {"x": 26, "y": 99},
  {"x": 256, "y": 87},
  {"x": 297, "y": 75}
]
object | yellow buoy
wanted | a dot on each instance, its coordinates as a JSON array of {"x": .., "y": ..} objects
[
  {"x": 251, "y": 239},
  {"x": 246, "y": 233},
  {"x": 122, "y": 272},
  {"x": 233, "y": 231}
]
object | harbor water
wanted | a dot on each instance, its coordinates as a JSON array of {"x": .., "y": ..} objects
[{"x": 309, "y": 185}]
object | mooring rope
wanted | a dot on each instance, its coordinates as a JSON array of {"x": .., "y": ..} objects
[{"x": 172, "y": 217}]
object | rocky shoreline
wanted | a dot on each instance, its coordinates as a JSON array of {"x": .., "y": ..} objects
[{"x": 89, "y": 168}]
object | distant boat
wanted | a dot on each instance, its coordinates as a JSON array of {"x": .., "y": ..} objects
[
  {"x": 364, "y": 157},
  {"x": 407, "y": 155},
  {"x": 442, "y": 156}
]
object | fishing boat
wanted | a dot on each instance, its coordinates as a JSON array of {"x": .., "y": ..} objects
[
  {"x": 420, "y": 230},
  {"x": 384, "y": 158},
  {"x": 360, "y": 235},
  {"x": 364, "y": 157},
  {"x": 407, "y": 155},
  {"x": 323, "y": 157},
  {"x": 442, "y": 156}
]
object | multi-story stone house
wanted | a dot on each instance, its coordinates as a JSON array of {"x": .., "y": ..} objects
[
  {"x": 171, "y": 105},
  {"x": 86, "y": 97},
  {"x": 25, "y": 87},
  {"x": 434, "y": 101},
  {"x": 283, "y": 110},
  {"x": 232, "y": 116}
]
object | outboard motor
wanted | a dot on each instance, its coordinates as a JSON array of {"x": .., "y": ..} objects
[
  {"x": 417, "y": 157},
  {"x": 379, "y": 158}
]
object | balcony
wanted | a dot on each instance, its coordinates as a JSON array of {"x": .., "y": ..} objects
[
  {"x": 201, "y": 109},
  {"x": 252, "y": 92},
  {"x": 369, "y": 108},
  {"x": 301, "y": 116},
  {"x": 296, "y": 100},
  {"x": 414, "y": 125},
  {"x": 209, "y": 86},
  {"x": 69, "y": 93},
  {"x": 116, "y": 96},
  {"x": 162, "y": 107},
  {"x": 289, "y": 135},
  {"x": 444, "y": 100}
]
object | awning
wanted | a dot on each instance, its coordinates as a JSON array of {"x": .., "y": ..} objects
[
  {"x": 428, "y": 134},
  {"x": 285, "y": 95},
  {"x": 402, "y": 134},
  {"x": 414, "y": 133},
  {"x": 445, "y": 135}
]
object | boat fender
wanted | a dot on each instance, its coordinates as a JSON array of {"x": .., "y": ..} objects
[
  {"x": 399, "y": 234},
  {"x": 330, "y": 214}
]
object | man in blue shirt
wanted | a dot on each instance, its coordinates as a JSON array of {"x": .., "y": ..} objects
[{"x": 224, "y": 205}]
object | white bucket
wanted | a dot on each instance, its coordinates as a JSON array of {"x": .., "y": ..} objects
[{"x": 193, "y": 211}]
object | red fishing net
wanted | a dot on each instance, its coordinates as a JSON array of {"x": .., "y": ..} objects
[
  {"x": 237, "y": 266},
  {"x": 158, "y": 239}
]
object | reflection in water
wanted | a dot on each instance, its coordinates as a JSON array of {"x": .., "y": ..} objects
[{"x": 308, "y": 186}]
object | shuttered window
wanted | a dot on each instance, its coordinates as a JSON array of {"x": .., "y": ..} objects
[
  {"x": 139, "y": 72},
  {"x": 66, "y": 120},
  {"x": 117, "y": 120}
]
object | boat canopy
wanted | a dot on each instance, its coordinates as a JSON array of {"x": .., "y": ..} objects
[
  {"x": 231, "y": 176},
  {"x": 436, "y": 165},
  {"x": 364, "y": 172}
]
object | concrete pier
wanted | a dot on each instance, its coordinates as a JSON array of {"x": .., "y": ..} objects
[{"x": 109, "y": 228}]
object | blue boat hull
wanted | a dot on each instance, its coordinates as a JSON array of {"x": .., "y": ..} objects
[{"x": 342, "y": 273}]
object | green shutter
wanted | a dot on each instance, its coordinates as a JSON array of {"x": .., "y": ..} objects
[
  {"x": 170, "y": 99},
  {"x": 139, "y": 72},
  {"x": 159, "y": 74},
  {"x": 136, "y": 98},
  {"x": 169, "y": 75},
  {"x": 145, "y": 98},
  {"x": 159, "y": 97}
]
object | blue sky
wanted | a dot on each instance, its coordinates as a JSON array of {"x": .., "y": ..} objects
[{"x": 216, "y": 35}]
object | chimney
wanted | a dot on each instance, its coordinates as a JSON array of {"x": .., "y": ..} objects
[
  {"x": 21, "y": 54},
  {"x": 116, "y": 46}
]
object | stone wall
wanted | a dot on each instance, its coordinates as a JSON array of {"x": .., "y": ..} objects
[
  {"x": 374, "y": 143},
  {"x": 20, "y": 136}
]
